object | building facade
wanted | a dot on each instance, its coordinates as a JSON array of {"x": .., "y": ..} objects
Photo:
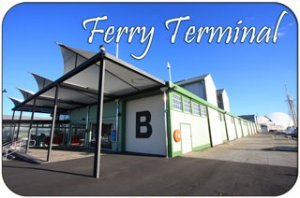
[{"x": 140, "y": 113}]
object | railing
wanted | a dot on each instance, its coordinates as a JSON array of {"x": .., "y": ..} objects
[{"x": 16, "y": 146}]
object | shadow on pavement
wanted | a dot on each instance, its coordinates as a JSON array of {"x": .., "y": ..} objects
[
  {"x": 136, "y": 176},
  {"x": 46, "y": 170},
  {"x": 282, "y": 148}
]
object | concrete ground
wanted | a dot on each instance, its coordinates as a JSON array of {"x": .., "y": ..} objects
[
  {"x": 257, "y": 165},
  {"x": 58, "y": 155},
  {"x": 264, "y": 149}
]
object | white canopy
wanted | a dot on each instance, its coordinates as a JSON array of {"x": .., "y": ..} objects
[{"x": 78, "y": 89}]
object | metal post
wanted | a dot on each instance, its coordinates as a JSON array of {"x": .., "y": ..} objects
[
  {"x": 99, "y": 118},
  {"x": 53, "y": 124},
  {"x": 36, "y": 130},
  {"x": 117, "y": 49},
  {"x": 19, "y": 123},
  {"x": 14, "y": 125},
  {"x": 30, "y": 126},
  {"x": 87, "y": 136},
  {"x": 117, "y": 122},
  {"x": 169, "y": 72},
  {"x": 166, "y": 120}
]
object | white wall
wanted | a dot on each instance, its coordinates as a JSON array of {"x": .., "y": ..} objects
[
  {"x": 245, "y": 130},
  {"x": 199, "y": 129},
  {"x": 211, "y": 92},
  {"x": 254, "y": 128},
  {"x": 238, "y": 127},
  {"x": 251, "y": 128},
  {"x": 230, "y": 128},
  {"x": 216, "y": 133},
  {"x": 223, "y": 128},
  {"x": 156, "y": 143},
  {"x": 226, "y": 102}
]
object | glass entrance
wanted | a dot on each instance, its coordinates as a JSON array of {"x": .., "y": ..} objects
[{"x": 105, "y": 136}]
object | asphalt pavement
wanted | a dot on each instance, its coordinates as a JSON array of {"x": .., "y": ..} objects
[{"x": 247, "y": 166}]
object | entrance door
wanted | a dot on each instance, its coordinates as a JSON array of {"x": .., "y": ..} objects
[
  {"x": 105, "y": 136},
  {"x": 186, "y": 138}
]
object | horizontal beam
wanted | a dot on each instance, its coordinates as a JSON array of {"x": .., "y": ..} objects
[
  {"x": 39, "y": 109},
  {"x": 50, "y": 99}
]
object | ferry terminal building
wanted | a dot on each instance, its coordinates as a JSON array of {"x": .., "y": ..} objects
[{"x": 133, "y": 111}]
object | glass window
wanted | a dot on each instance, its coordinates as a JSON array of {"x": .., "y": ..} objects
[
  {"x": 196, "y": 108},
  {"x": 186, "y": 105},
  {"x": 203, "y": 110},
  {"x": 176, "y": 102}
]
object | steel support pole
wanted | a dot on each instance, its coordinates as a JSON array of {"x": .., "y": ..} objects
[
  {"x": 166, "y": 122},
  {"x": 13, "y": 128},
  {"x": 53, "y": 124},
  {"x": 117, "y": 121},
  {"x": 19, "y": 123},
  {"x": 30, "y": 126},
  {"x": 87, "y": 130},
  {"x": 96, "y": 173}
]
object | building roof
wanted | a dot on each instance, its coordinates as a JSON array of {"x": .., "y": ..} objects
[
  {"x": 192, "y": 80},
  {"x": 220, "y": 91},
  {"x": 78, "y": 86}
]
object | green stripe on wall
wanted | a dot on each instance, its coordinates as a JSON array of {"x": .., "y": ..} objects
[{"x": 202, "y": 147}]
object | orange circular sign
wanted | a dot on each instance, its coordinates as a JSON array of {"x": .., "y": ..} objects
[{"x": 177, "y": 135}]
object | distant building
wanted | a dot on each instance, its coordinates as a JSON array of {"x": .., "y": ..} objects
[
  {"x": 203, "y": 86},
  {"x": 252, "y": 118},
  {"x": 275, "y": 121},
  {"x": 223, "y": 100}
]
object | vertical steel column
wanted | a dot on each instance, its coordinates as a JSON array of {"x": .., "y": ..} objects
[
  {"x": 13, "y": 129},
  {"x": 96, "y": 173},
  {"x": 36, "y": 129},
  {"x": 87, "y": 136},
  {"x": 19, "y": 123},
  {"x": 118, "y": 131},
  {"x": 117, "y": 122},
  {"x": 165, "y": 120},
  {"x": 30, "y": 126},
  {"x": 53, "y": 123}
]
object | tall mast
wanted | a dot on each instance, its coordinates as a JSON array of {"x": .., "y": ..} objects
[{"x": 292, "y": 107}]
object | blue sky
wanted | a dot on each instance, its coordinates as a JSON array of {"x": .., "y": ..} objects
[{"x": 253, "y": 74}]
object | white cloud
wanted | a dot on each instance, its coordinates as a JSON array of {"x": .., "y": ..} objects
[{"x": 285, "y": 29}]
